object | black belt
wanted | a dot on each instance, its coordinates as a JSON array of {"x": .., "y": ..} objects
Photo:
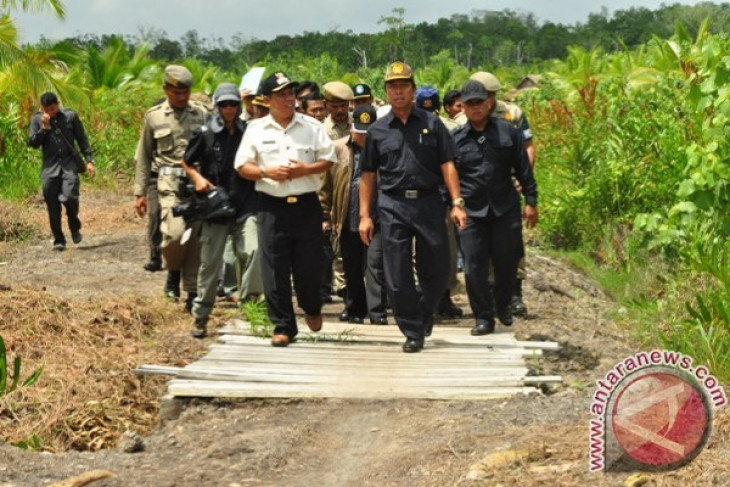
[
  {"x": 293, "y": 199},
  {"x": 411, "y": 194}
]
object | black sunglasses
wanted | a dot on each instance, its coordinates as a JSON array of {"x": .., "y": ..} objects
[{"x": 228, "y": 104}]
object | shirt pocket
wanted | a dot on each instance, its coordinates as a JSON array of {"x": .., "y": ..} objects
[
  {"x": 469, "y": 157},
  {"x": 390, "y": 152},
  {"x": 428, "y": 140},
  {"x": 164, "y": 140},
  {"x": 303, "y": 153}
]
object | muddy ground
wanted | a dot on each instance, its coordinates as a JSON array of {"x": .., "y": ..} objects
[{"x": 336, "y": 442}]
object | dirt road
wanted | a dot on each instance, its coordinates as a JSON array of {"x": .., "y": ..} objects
[{"x": 336, "y": 442}]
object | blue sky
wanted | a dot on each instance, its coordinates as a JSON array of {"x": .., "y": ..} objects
[{"x": 265, "y": 20}]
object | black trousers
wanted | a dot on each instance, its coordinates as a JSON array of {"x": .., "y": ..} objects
[
  {"x": 66, "y": 184},
  {"x": 402, "y": 221},
  {"x": 364, "y": 276},
  {"x": 290, "y": 243},
  {"x": 154, "y": 235},
  {"x": 498, "y": 239}
]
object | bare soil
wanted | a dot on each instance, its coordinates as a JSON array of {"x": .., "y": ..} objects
[{"x": 90, "y": 315}]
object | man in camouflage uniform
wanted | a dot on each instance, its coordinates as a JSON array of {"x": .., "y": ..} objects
[
  {"x": 514, "y": 115},
  {"x": 165, "y": 135}
]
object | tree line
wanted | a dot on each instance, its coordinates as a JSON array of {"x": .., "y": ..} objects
[{"x": 482, "y": 38}]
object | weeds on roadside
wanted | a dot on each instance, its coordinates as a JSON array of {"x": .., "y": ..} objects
[
  {"x": 6, "y": 388},
  {"x": 33, "y": 442},
  {"x": 258, "y": 318}
]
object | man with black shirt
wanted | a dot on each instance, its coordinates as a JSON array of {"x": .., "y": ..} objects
[
  {"x": 489, "y": 151},
  {"x": 57, "y": 131},
  {"x": 214, "y": 146},
  {"x": 413, "y": 153},
  {"x": 340, "y": 198}
]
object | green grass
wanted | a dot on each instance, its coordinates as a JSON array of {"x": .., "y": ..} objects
[{"x": 682, "y": 308}]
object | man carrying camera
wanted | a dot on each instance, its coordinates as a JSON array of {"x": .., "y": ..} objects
[
  {"x": 229, "y": 203},
  {"x": 56, "y": 130},
  {"x": 166, "y": 132}
]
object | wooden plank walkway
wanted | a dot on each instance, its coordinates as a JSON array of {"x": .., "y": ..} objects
[{"x": 359, "y": 362}]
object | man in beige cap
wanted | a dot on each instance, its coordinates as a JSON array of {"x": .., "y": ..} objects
[
  {"x": 165, "y": 135},
  {"x": 514, "y": 115},
  {"x": 412, "y": 153},
  {"x": 337, "y": 97}
]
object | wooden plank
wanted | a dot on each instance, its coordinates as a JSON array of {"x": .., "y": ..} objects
[
  {"x": 316, "y": 348},
  {"x": 371, "y": 370},
  {"x": 337, "y": 357},
  {"x": 192, "y": 388},
  {"x": 441, "y": 334},
  {"x": 367, "y": 382},
  {"x": 207, "y": 370}
]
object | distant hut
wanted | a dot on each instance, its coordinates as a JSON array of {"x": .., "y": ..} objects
[{"x": 529, "y": 82}]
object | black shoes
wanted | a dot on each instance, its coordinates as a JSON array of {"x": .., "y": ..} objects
[
  {"x": 506, "y": 318},
  {"x": 516, "y": 304},
  {"x": 413, "y": 345},
  {"x": 483, "y": 328},
  {"x": 76, "y": 237},
  {"x": 59, "y": 246},
  {"x": 153, "y": 265},
  {"x": 378, "y": 320},
  {"x": 189, "y": 302},
  {"x": 447, "y": 308},
  {"x": 354, "y": 320},
  {"x": 200, "y": 330},
  {"x": 172, "y": 285}
]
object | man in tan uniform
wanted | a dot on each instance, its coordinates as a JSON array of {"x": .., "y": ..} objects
[
  {"x": 165, "y": 135},
  {"x": 337, "y": 97}
]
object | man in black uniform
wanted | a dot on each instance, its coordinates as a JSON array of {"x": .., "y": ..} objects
[
  {"x": 57, "y": 131},
  {"x": 413, "y": 153},
  {"x": 489, "y": 150}
]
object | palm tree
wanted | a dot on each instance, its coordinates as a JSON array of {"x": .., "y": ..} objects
[{"x": 34, "y": 6}]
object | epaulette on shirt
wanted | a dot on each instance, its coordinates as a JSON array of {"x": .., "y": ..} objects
[{"x": 154, "y": 108}]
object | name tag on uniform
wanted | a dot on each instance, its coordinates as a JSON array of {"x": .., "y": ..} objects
[{"x": 269, "y": 142}]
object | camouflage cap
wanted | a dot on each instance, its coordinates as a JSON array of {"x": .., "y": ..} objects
[
  {"x": 398, "y": 70},
  {"x": 337, "y": 91},
  {"x": 178, "y": 76},
  {"x": 490, "y": 82}
]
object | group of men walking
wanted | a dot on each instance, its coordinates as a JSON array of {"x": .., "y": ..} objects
[{"x": 380, "y": 181}]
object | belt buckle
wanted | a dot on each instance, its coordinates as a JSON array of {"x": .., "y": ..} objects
[
  {"x": 291, "y": 199},
  {"x": 411, "y": 194}
]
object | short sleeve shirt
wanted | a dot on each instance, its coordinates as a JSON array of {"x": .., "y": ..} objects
[
  {"x": 268, "y": 144},
  {"x": 410, "y": 155}
]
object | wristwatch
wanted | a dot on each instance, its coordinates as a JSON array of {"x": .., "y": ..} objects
[
  {"x": 458, "y": 202},
  {"x": 263, "y": 172}
]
